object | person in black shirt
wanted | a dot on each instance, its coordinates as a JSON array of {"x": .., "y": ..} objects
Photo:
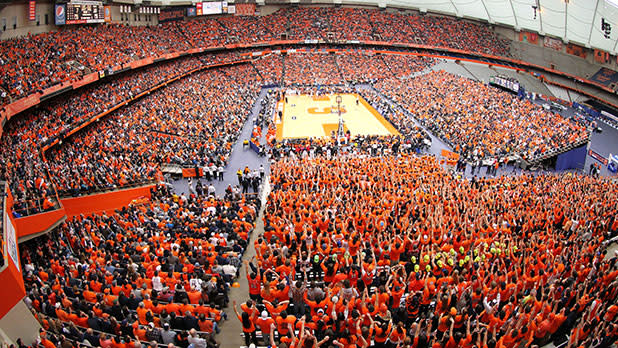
[
  {"x": 190, "y": 321},
  {"x": 91, "y": 337},
  {"x": 153, "y": 333}
]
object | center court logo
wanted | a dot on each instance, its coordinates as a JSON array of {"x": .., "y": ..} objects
[{"x": 323, "y": 111}]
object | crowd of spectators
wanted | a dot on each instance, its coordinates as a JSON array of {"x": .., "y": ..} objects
[
  {"x": 369, "y": 242},
  {"x": 393, "y": 251},
  {"x": 270, "y": 68},
  {"x": 320, "y": 68},
  {"x": 195, "y": 122},
  {"x": 35, "y": 62},
  {"x": 481, "y": 121},
  {"x": 23, "y": 136},
  {"x": 315, "y": 68},
  {"x": 155, "y": 272},
  {"x": 363, "y": 67},
  {"x": 192, "y": 122},
  {"x": 413, "y": 136}
]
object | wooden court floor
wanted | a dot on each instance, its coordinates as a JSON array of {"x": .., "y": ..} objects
[{"x": 305, "y": 116}]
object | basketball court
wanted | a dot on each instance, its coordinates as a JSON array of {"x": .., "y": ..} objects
[{"x": 306, "y": 116}]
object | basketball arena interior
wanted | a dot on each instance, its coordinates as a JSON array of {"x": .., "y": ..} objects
[{"x": 309, "y": 173}]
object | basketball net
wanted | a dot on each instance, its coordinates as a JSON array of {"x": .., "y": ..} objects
[{"x": 340, "y": 131}]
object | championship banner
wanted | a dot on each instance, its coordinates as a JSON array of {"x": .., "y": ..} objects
[
  {"x": 107, "y": 13},
  {"x": 31, "y": 10},
  {"x": 601, "y": 56},
  {"x": 171, "y": 14},
  {"x": 245, "y": 10},
  {"x": 576, "y": 50},
  {"x": 191, "y": 12},
  {"x": 60, "y": 14},
  {"x": 526, "y": 36},
  {"x": 550, "y": 42}
]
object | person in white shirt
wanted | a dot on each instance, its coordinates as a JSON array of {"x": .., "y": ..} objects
[
  {"x": 196, "y": 340},
  {"x": 156, "y": 282},
  {"x": 196, "y": 283}
]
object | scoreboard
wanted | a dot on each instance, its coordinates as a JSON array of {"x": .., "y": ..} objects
[{"x": 82, "y": 12}]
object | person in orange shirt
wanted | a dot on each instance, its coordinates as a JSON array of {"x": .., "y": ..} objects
[
  {"x": 141, "y": 314},
  {"x": 265, "y": 322},
  {"x": 397, "y": 336},
  {"x": 45, "y": 342},
  {"x": 276, "y": 308},
  {"x": 248, "y": 325},
  {"x": 173, "y": 307},
  {"x": 89, "y": 296},
  {"x": 206, "y": 324},
  {"x": 284, "y": 321}
]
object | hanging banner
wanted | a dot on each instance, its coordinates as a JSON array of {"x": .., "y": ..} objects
[
  {"x": 60, "y": 14},
  {"x": 526, "y": 36},
  {"x": 171, "y": 14},
  {"x": 601, "y": 56},
  {"x": 11, "y": 242},
  {"x": 576, "y": 50},
  {"x": 211, "y": 8},
  {"x": 107, "y": 13},
  {"x": 32, "y": 10},
  {"x": 550, "y": 42},
  {"x": 245, "y": 10}
]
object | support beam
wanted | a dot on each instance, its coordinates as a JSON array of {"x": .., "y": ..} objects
[
  {"x": 566, "y": 18},
  {"x": 594, "y": 19},
  {"x": 455, "y": 7},
  {"x": 514, "y": 15},
  {"x": 540, "y": 14},
  {"x": 489, "y": 19}
]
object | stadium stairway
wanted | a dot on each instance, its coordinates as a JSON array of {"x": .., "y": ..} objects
[
  {"x": 232, "y": 328},
  {"x": 453, "y": 68}
]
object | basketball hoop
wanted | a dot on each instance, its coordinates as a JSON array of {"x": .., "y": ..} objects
[{"x": 340, "y": 131}]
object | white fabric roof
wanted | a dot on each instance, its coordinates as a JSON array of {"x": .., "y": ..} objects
[{"x": 577, "y": 21}]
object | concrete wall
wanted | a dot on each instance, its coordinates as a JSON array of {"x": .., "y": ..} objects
[
  {"x": 267, "y": 9},
  {"x": 18, "y": 14},
  {"x": 19, "y": 323},
  {"x": 538, "y": 54}
]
